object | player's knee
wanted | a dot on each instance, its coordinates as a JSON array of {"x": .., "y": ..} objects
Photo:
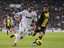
[
  {"x": 40, "y": 37},
  {"x": 21, "y": 37},
  {"x": 41, "y": 34},
  {"x": 21, "y": 32},
  {"x": 34, "y": 34}
]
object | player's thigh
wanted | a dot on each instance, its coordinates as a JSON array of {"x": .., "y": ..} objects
[
  {"x": 42, "y": 32},
  {"x": 23, "y": 34},
  {"x": 21, "y": 27},
  {"x": 8, "y": 27},
  {"x": 21, "y": 30}
]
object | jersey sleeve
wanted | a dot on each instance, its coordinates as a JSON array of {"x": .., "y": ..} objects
[
  {"x": 34, "y": 16},
  {"x": 4, "y": 20},
  {"x": 19, "y": 13},
  {"x": 39, "y": 19}
]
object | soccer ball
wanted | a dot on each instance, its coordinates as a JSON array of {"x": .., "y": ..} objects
[{"x": 39, "y": 42}]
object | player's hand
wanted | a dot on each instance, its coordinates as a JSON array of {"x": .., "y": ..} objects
[
  {"x": 34, "y": 27},
  {"x": 39, "y": 28}
]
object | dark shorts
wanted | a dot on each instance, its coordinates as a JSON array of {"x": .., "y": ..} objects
[
  {"x": 42, "y": 29},
  {"x": 8, "y": 27}
]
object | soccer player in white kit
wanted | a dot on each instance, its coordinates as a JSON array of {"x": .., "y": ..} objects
[{"x": 24, "y": 25}]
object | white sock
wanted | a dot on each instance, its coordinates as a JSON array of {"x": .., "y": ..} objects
[
  {"x": 15, "y": 34},
  {"x": 17, "y": 38}
]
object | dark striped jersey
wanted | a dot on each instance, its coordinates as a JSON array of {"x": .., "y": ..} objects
[
  {"x": 8, "y": 22},
  {"x": 43, "y": 20}
]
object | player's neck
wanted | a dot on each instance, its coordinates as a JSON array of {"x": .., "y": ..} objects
[{"x": 29, "y": 11}]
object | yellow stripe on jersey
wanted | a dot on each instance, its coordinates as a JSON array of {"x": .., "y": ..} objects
[
  {"x": 46, "y": 14},
  {"x": 8, "y": 22},
  {"x": 44, "y": 23},
  {"x": 45, "y": 20}
]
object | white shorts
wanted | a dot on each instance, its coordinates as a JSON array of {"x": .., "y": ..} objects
[{"x": 24, "y": 28}]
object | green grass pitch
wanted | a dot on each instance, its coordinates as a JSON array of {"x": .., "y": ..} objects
[{"x": 50, "y": 40}]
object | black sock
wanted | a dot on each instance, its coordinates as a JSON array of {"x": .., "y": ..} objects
[
  {"x": 7, "y": 32},
  {"x": 40, "y": 37}
]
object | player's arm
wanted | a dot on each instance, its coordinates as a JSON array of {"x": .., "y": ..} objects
[
  {"x": 4, "y": 22},
  {"x": 18, "y": 16},
  {"x": 35, "y": 20},
  {"x": 39, "y": 20}
]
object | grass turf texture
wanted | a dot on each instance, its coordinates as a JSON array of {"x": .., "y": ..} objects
[{"x": 50, "y": 40}]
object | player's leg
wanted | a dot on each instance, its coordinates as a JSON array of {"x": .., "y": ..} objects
[
  {"x": 14, "y": 34},
  {"x": 33, "y": 34},
  {"x": 41, "y": 32},
  {"x": 22, "y": 33},
  {"x": 7, "y": 28},
  {"x": 16, "y": 39},
  {"x": 19, "y": 36},
  {"x": 41, "y": 35},
  {"x": 13, "y": 30},
  {"x": 34, "y": 43},
  {"x": 7, "y": 32}
]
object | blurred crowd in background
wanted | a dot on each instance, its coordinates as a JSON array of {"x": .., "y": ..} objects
[{"x": 56, "y": 9}]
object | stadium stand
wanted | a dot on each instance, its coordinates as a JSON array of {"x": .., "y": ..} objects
[{"x": 56, "y": 9}]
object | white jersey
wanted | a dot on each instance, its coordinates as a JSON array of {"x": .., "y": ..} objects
[
  {"x": 27, "y": 16},
  {"x": 24, "y": 25}
]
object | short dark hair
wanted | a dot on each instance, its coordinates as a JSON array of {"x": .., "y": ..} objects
[
  {"x": 30, "y": 5},
  {"x": 45, "y": 5}
]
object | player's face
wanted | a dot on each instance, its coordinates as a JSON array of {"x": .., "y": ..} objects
[
  {"x": 31, "y": 8},
  {"x": 8, "y": 17},
  {"x": 45, "y": 8}
]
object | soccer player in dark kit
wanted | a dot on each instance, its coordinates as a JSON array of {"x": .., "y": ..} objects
[{"x": 41, "y": 24}]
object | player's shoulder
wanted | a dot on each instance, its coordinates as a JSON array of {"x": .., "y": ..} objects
[
  {"x": 24, "y": 10},
  {"x": 33, "y": 11}
]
